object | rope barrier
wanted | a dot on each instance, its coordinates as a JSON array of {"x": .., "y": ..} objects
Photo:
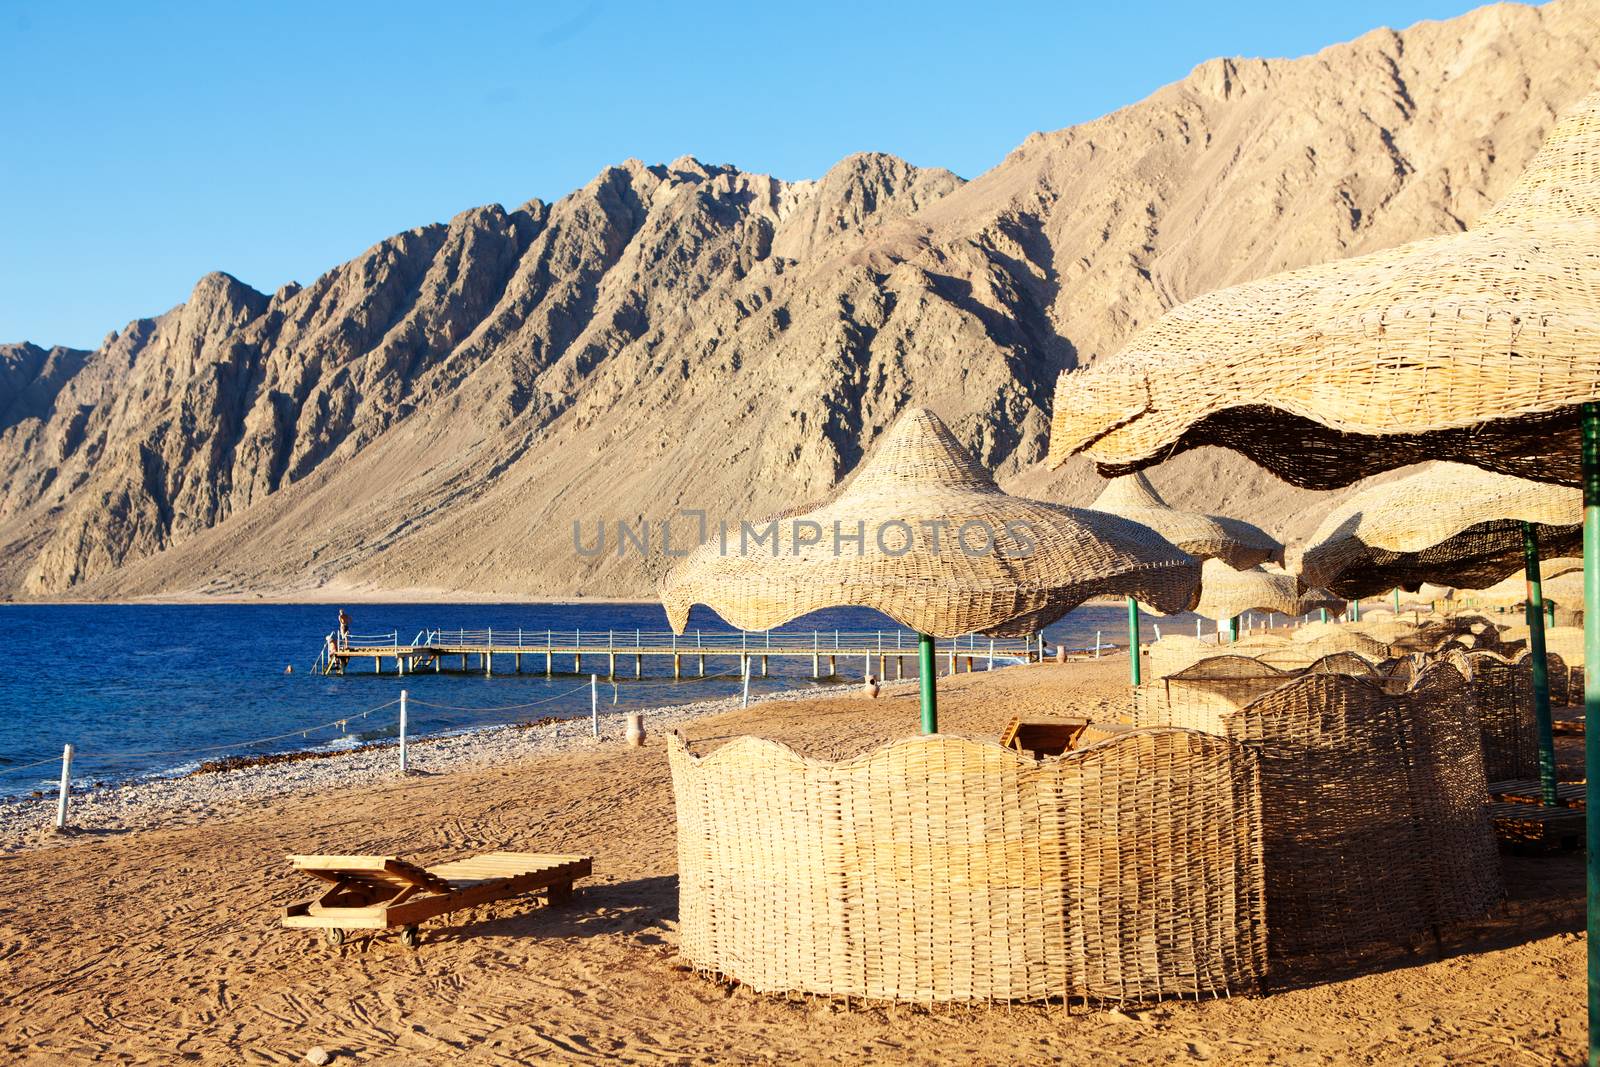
[
  {"x": 300, "y": 732},
  {"x": 507, "y": 707},
  {"x": 26, "y": 766}
]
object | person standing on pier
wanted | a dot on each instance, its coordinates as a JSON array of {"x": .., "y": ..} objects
[{"x": 344, "y": 629}]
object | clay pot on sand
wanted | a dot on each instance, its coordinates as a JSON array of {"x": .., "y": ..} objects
[
  {"x": 871, "y": 687},
  {"x": 635, "y": 733}
]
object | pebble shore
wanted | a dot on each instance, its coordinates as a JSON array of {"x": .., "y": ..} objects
[{"x": 28, "y": 822}]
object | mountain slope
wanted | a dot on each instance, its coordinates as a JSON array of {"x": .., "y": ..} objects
[{"x": 438, "y": 412}]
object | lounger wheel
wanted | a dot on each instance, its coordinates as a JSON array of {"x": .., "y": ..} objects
[
  {"x": 333, "y": 936},
  {"x": 410, "y": 936}
]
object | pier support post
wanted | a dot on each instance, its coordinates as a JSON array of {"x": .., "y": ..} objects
[
  {"x": 899, "y": 667},
  {"x": 516, "y": 663},
  {"x": 763, "y": 666},
  {"x": 611, "y": 666},
  {"x": 549, "y": 662},
  {"x": 833, "y": 666},
  {"x": 816, "y": 665},
  {"x": 488, "y": 663},
  {"x": 638, "y": 665},
  {"x": 677, "y": 666},
  {"x": 702, "y": 665}
]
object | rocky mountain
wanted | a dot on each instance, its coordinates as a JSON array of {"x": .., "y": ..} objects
[{"x": 435, "y": 414}]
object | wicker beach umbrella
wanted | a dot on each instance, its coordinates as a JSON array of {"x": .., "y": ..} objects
[
  {"x": 1478, "y": 347},
  {"x": 1205, "y": 537},
  {"x": 1475, "y": 346},
  {"x": 1234, "y": 541},
  {"x": 1451, "y": 523},
  {"x": 924, "y": 535},
  {"x": 1226, "y": 593}
]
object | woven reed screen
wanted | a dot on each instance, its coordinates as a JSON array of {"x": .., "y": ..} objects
[
  {"x": 1373, "y": 810},
  {"x": 1502, "y": 697},
  {"x": 942, "y": 869}
]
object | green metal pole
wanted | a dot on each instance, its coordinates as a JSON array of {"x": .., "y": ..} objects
[
  {"x": 1233, "y": 629},
  {"x": 1133, "y": 640},
  {"x": 1541, "y": 667},
  {"x": 1397, "y": 601},
  {"x": 1324, "y": 612},
  {"x": 930, "y": 707},
  {"x": 1355, "y": 610},
  {"x": 1591, "y": 705}
]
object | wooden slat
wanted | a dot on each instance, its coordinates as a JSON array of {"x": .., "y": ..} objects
[
  {"x": 426, "y": 893},
  {"x": 1530, "y": 791},
  {"x": 1536, "y": 824}
]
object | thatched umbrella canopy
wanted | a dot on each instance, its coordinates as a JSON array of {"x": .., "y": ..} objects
[
  {"x": 1564, "y": 590},
  {"x": 1475, "y": 346},
  {"x": 1450, "y": 523},
  {"x": 1226, "y": 593},
  {"x": 1234, "y": 541},
  {"x": 923, "y": 534},
  {"x": 1205, "y": 537}
]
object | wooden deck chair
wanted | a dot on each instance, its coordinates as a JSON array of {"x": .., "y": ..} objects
[
  {"x": 1042, "y": 738},
  {"x": 382, "y": 892}
]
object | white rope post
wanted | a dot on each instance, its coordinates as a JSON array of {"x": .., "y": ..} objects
[
  {"x": 403, "y": 766},
  {"x": 1097, "y": 644},
  {"x": 1157, "y": 625},
  {"x": 594, "y": 704},
  {"x": 746, "y": 682},
  {"x": 1197, "y": 629},
  {"x": 66, "y": 787}
]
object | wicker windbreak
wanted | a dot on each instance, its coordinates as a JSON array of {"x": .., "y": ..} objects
[
  {"x": 1373, "y": 809},
  {"x": 941, "y": 869},
  {"x": 1174, "y": 652},
  {"x": 1295, "y": 654},
  {"x": 1475, "y": 346},
  {"x": 1502, "y": 696},
  {"x": 1450, "y": 523},
  {"x": 1233, "y": 541},
  {"x": 924, "y": 535}
]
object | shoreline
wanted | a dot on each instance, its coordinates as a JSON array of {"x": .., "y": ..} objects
[{"x": 164, "y": 800}]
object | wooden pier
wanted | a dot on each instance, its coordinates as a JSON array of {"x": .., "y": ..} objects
[{"x": 550, "y": 652}]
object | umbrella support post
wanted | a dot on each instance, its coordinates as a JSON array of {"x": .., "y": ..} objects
[
  {"x": 1541, "y": 667},
  {"x": 1397, "y": 598},
  {"x": 1133, "y": 640},
  {"x": 930, "y": 708},
  {"x": 1591, "y": 704}
]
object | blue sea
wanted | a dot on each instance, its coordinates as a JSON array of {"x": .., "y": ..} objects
[{"x": 144, "y": 689}]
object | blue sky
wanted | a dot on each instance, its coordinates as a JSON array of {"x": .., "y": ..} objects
[{"x": 143, "y": 144}]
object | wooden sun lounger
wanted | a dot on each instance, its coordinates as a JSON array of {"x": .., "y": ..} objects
[{"x": 382, "y": 892}]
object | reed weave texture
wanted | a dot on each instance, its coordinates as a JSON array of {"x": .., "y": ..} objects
[
  {"x": 1502, "y": 697},
  {"x": 1226, "y": 592},
  {"x": 1475, "y": 346},
  {"x": 939, "y": 869},
  {"x": 1235, "y": 542},
  {"x": 1174, "y": 652},
  {"x": 1373, "y": 809},
  {"x": 940, "y": 549},
  {"x": 1449, "y": 523}
]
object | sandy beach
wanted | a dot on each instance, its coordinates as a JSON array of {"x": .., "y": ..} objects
[{"x": 146, "y": 943}]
